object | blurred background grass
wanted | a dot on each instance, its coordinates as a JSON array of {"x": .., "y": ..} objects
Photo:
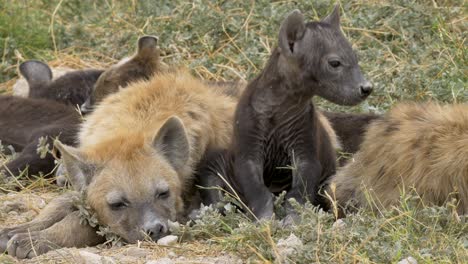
[{"x": 411, "y": 50}]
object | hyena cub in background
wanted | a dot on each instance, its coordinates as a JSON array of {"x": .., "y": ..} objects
[
  {"x": 49, "y": 112},
  {"x": 52, "y": 112},
  {"x": 72, "y": 88},
  {"x": 141, "y": 66},
  {"x": 420, "y": 146},
  {"x": 135, "y": 161},
  {"x": 276, "y": 124}
]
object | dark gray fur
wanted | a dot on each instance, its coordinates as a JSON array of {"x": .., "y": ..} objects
[
  {"x": 72, "y": 88},
  {"x": 275, "y": 122}
]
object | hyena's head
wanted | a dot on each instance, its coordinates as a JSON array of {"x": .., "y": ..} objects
[
  {"x": 141, "y": 66},
  {"x": 134, "y": 186},
  {"x": 319, "y": 57}
]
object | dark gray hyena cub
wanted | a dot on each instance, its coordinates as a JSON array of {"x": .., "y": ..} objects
[
  {"x": 141, "y": 66},
  {"x": 24, "y": 121},
  {"x": 276, "y": 125},
  {"x": 72, "y": 88}
]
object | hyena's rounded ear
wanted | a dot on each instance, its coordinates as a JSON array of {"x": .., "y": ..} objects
[
  {"x": 35, "y": 72},
  {"x": 79, "y": 171},
  {"x": 334, "y": 17},
  {"x": 292, "y": 29},
  {"x": 171, "y": 141},
  {"x": 147, "y": 45}
]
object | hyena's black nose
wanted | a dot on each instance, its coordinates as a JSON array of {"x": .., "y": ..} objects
[
  {"x": 156, "y": 231},
  {"x": 366, "y": 89}
]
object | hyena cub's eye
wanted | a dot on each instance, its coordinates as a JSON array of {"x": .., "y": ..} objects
[
  {"x": 334, "y": 63},
  {"x": 162, "y": 194},
  {"x": 118, "y": 206}
]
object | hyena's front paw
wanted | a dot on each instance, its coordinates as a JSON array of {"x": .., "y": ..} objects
[
  {"x": 29, "y": 245},
  {"x": 6, "y": 234},
  {"x": 4, "y": 238}
]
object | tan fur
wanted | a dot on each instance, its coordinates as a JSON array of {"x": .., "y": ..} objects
[
  {"x": 424, "y": 146},
  {"x": 120, "y": 131},
  {"x": 115, "y": 144},
  {"x": 335, "y": 141}
]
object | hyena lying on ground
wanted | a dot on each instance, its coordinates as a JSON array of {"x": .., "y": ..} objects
[
  {"x": 420, "y": 146},
  {"x": 135, "y": 160},
  {"x": 48, "y": 113},
  {"x": 23, "y": 121},
  {"x": 140, "y": 66},
  {"x": 276, "y": 124},
  {"x": 72, "y": 88}
]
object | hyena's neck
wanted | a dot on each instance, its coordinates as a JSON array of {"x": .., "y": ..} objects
[{"x": 280, "y": 84}]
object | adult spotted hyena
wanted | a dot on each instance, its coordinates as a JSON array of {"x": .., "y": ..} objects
[
  {"x": 420, "y": 146},
  {"x": 135, "y": 160}
]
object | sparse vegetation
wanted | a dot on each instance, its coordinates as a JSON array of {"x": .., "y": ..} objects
[{"x": 411, "y": 50}]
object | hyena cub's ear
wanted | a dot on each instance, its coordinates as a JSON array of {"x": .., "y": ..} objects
[
  {"x": 292, "y": 30},
  {"x": 35, "y": 72},
  {"x": 171, "y": 140},
  {"x": 334, "y": 17},
  {"x": 79, "y": 171},
  {"x": 147, "y": 45}
]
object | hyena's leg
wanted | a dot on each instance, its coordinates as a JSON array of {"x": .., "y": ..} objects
[
  {"x": 248, "y": 173},
  {"x": 68, "y": 232},
  {"x": 216, "y": 164},
  {"x": 29, "y": 158},
  {"x": 54, "y": 212},
  {"x": 306, "y": 180}
]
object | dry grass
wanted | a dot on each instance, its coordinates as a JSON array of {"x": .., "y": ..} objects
[{"x": 411, "y": 50}]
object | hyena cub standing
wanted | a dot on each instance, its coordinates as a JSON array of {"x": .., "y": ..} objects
[
  {"x": 420, "y": 146},
  {"x": 135, "y": 160},
  {"x": 276, "y": 124}
]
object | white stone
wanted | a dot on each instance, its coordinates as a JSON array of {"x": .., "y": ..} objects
[
  {"x": 172, "y": 254},
  {"x": 288, "y": 246},
  {"x": 408, "y": 260},
  {"x": 137, "y": 252},
  {"x": 167, "y": 240},
  {"x": 161, "y": 261},
  {"x": 86, "y": 257},
  {"x": 339, "y": 224}
]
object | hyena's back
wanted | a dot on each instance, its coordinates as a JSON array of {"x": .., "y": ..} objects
[
  {"x": 134, "y": 114},
  {"x": 424, "y": 146}
]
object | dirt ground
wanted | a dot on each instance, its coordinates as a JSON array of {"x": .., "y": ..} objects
[{"x": 17, "y": 208}]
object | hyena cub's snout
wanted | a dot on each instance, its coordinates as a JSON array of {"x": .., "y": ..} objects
[
  {"x": 155, "y": 228},
  {"x": 365, "y": 89},
  {"x": 87, "y": 106}
]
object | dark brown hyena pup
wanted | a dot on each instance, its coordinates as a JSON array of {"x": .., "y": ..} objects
[
  {"x": 276, "y": 125},
  {"x": 72, "y": 88},
  {"x": 23, "y": 121},
  {"x": 141, "y": 66},
  {"x": 49, "y": 112},
  {"x": 420, "y": 146}
]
